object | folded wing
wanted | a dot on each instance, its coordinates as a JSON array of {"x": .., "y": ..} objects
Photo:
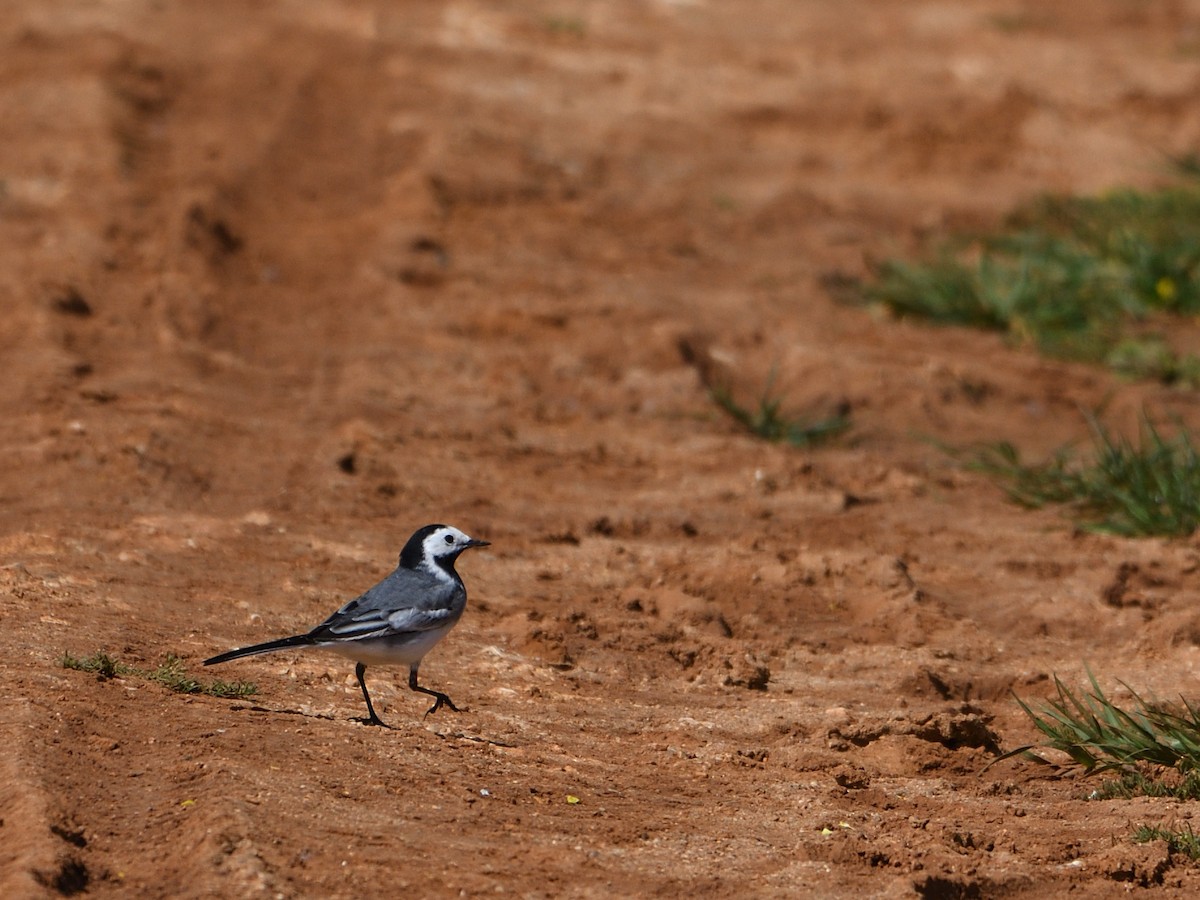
[{"x": 394, "y": 606}]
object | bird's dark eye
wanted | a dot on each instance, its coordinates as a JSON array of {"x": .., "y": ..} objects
[{"x": 449, "y": 539}]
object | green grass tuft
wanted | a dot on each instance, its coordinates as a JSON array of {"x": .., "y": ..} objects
[
  {"x": 571, "y": 26},
  {"x": 768, "y": 421},
  {"x": 1151, "y": 487},
  {"x": 1179, "y": 840},
  {"x": 1072, "y": 277},
  {"x": 1186, "y": 164},
  {"x": 1153, "y": 748},
  {"x": 1154, "y": 783},
  {"x": 170, "y": 673},
  {"x": 1100, "y": 736},
  {"x": 100, "y": 663}
]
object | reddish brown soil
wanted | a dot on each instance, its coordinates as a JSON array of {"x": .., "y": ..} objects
[{"x": 283, "y": 281}]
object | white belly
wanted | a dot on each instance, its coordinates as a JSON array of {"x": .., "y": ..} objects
[{"x": 394, "y": 650}]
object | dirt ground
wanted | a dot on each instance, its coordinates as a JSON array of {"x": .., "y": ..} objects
[{"x": 283, "y": 281}]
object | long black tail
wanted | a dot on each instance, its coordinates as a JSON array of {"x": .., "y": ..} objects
[{"x": 299, "y": 640}]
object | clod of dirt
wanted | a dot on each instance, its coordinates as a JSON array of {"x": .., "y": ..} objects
[
  {"x": 747, "y": 670},
  {"x": 957, "y": 729},
  {"x": 73, "y": 836},
  {"x": 424, "y": 264},
  {"x": 1129, "y": 587},
  {"x": 211, "y": 234},
  {"x": 677, "y": 609},
  {"x": 838, "y": 716},
  {"x": 953, "y": 729},
  {"x": 70, "y": 878},
  {"x": 71, "y": 302},
  {"x": 715, "y": 369},
  {"x": 1144, "y": 865},
  {"x": 937, "y": 887},
  {"x": 852, "y": 778},
  {"x": 948, "y": 685}
]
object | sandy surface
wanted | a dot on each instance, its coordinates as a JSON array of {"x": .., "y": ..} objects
[{"x": 283, "y": 281}]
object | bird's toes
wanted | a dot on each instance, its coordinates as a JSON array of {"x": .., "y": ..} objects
[
  {"x": 372, "y": 720},
  {"x": 442, "y": 700}
]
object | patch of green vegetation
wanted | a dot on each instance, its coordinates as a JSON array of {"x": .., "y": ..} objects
[
  {"x": 170, "y": 673},
  {"x": 1153, "y": 748},
  {"x": 1011, "y": 23},
  {"x": 1187, "y": 164},
  {"x": 572, "y": 26},
  {"x": 768, "y": 421},
  {"x": 1138, "y": 783},
  {"x": 724, "y": 202},
  {"x": 1151, "y": 487},
  {"x": 1100, "y": 736},
  {"x": 1179, "y": 840},
  {"x": 100, "y": 663},
  {"x": 1072, "y": 276}
]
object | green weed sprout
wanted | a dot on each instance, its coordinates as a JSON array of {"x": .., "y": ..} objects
[{"x": 170, "y": 673}]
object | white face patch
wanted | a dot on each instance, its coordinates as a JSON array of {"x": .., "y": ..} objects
[
  {"x": 433, "y": 550},
  {"x": 444, "y": 542}
]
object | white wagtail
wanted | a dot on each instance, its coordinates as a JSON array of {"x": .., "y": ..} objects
[{"x": 399, "y": 620}]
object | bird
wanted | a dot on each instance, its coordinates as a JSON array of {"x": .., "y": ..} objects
[{"x": 397, "y": 621}]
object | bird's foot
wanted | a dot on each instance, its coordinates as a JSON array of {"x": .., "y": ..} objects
[
  {"x": 372, "y": 720},
  {"x": 440, "y": 701}
]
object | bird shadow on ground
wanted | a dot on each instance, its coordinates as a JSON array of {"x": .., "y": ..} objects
[{"x": 329, "y": 717}]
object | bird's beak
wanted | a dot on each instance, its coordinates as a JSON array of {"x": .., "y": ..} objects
[{"x": 473, "y": 542}]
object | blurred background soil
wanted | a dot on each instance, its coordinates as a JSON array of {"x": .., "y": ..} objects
[{"x": 282, "y": 281}]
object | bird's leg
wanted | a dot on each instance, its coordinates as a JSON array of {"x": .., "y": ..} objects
[
  {"x": 360, "y": 670},
  {"x": 440, "y": 699}
]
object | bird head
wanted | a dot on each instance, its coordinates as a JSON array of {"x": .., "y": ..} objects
[{"x": 436, "y": 545}]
